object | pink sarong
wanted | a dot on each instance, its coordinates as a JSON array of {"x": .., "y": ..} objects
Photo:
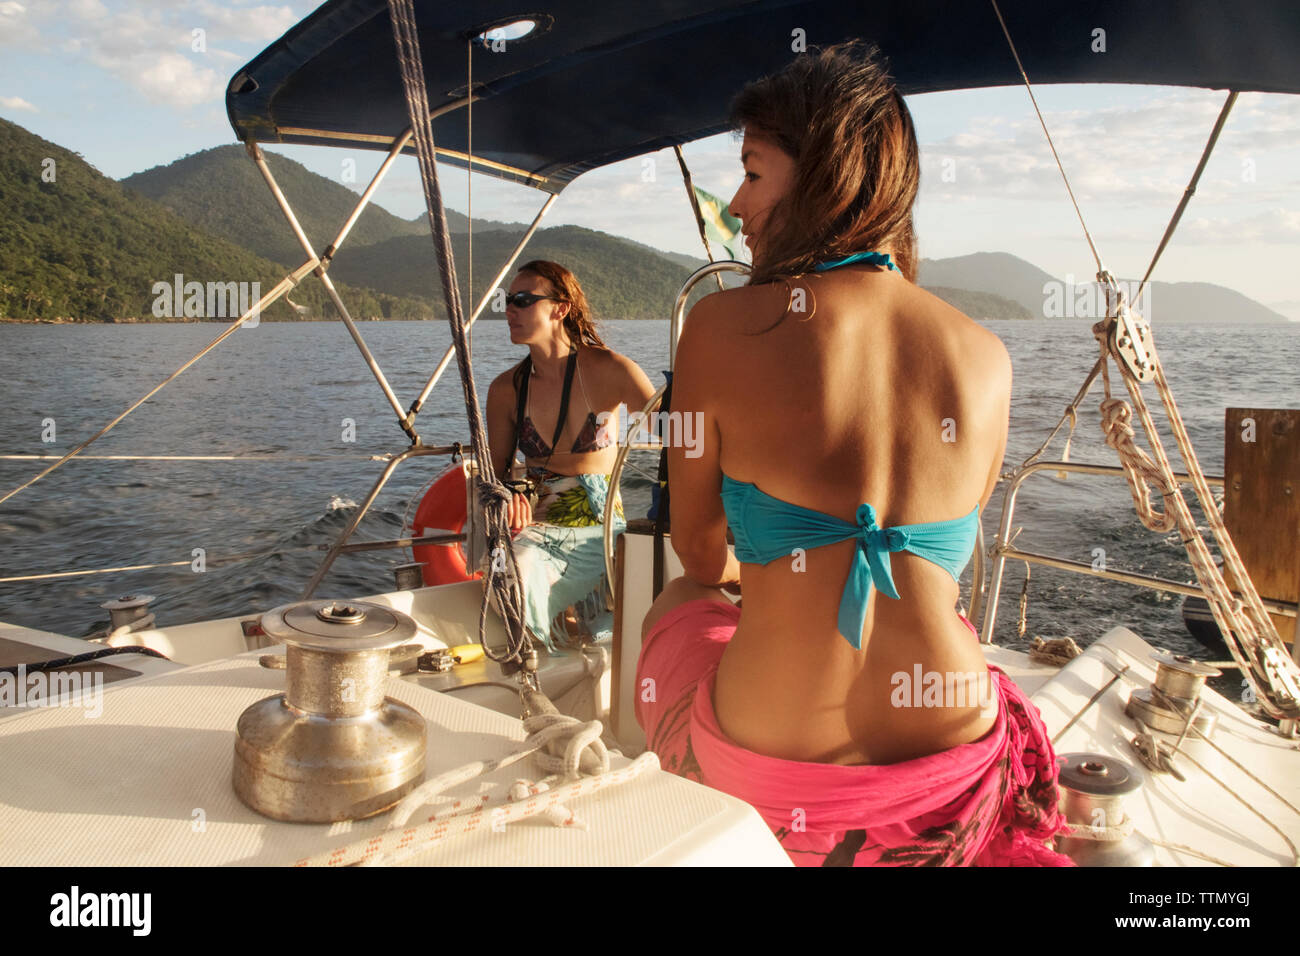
[{"x": 992, "y": 802}]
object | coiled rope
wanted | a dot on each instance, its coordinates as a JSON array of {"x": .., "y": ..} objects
[
  {"x": 581, "y": 749},
  {"x": 1247, "y": 629},
  {"x": 502, "y": 578}
]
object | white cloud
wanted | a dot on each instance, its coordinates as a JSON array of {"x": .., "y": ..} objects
[
  {"x": 1135, "y": 156},
  {"x": 172, "y": 79},
  {"x": 86, "y": 10},
  {"x": 17, "y": 25},
  {"x": 1275, "y": 226},
  {"x": 149, "y": 45},
  {"x": 17, "y": 103},
  {"x": 259, "y": 24}
]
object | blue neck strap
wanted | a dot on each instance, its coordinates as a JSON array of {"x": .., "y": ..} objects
[{"x": 873, "y": 258}]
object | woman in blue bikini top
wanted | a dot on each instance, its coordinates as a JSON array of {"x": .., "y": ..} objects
[{"x": 857, "y": 428}]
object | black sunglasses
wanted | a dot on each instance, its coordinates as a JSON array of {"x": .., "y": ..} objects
[{"x": 522, "y": 300}]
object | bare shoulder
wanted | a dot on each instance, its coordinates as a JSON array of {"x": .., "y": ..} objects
[
  {"x": 503, "y": 387},
  {"x": 609, "y": 365},
  {"x": 979, "y": 348},
  {"x": 735, "y": 310}
]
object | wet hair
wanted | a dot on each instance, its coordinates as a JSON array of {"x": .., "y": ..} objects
[
  {"x": 837, "y": 113},
  {"x": 579, "y": 325}
]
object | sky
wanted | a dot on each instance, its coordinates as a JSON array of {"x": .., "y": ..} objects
[{"x": 133, "y": 84}]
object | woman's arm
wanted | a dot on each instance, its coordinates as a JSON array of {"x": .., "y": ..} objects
[
  {"x": 699, "y": 523},
  {"x": 501, "y": 443},
  {"x": 501, "y": 424},
  {"x": 636, "y": 388}
]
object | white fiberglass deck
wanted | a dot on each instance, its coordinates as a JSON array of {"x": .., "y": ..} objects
[
  {"x": 1201, "y": 812},
  {"x": 148, "y": 782}
]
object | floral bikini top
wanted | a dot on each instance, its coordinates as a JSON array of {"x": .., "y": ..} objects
[{"x": 592, "y": 437}]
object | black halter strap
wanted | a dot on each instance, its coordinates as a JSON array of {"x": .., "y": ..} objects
[{"x": 522, "y": 403}]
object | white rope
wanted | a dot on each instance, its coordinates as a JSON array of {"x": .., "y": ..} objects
[
  {"x": 1098, "y": 834},
  {"x": 581, "y": 751},
  {"x": 1246, "y": 627},
  {"x": 1056, "y": 652}
]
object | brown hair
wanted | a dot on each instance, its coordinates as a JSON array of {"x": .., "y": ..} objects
[
  {"x": 578, "y": 323},
  {"x": 837, "y": 113}
]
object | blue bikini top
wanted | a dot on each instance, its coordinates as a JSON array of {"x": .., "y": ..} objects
[{"x": 768, "y": 528}]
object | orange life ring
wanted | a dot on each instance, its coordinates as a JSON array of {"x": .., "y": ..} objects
[{"x": 443, "y": 507}]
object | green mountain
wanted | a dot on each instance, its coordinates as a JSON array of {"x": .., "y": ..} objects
[
  {"x": 75, "y": 244},
  {"x": 221, "y": 191},
  {"x": 623, "y": 279},
  {"x": 1045, "y": 296}
]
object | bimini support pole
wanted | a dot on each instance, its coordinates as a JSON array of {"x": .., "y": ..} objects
[
  {"x": 403, "y": 420},
  {"x": 478, "y": 310},
  {"x": 398, "y": 145}
]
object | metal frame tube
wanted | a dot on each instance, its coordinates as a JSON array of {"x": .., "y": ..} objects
[
  {"x": 679, "y": 307},
  {"x": 1002, "y": 550},
  {"x": 255, "y": 152},
  {"x": 978, "y": 571},
  {"x": 449, "y": 537},
  {"x": 398, "y": 145},
  {"x": 446, "y": 358},
  {"x": 415, "y": 451}
]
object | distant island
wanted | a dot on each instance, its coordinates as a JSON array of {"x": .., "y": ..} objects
[{"x": 188, "y": 240}]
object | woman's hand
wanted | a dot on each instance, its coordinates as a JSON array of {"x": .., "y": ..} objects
[{"x": 519, "y": 513}]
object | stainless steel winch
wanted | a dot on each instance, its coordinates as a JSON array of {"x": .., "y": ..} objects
[
  {"x": 1093, "y": 787},
  {"x": 1172, "y": 697},
  {"x": 332, "y": 746}
]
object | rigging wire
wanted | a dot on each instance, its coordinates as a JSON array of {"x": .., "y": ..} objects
[
  {"x": 1101, "y": 269},
  {"x": 503, "y": 579},
  {"x": 1190, "y": 190},
  {"x": 148, "y": 395},
  {"x": 1247, "y": 629}
]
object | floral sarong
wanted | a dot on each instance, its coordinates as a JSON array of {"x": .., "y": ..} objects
[{"x": 562, "y": 560}]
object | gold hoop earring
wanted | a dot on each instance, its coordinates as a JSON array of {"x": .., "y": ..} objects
[{"x": 790, "y": 289}]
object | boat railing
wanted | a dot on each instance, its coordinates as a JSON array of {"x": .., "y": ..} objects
[{"x": 987, "y": 583}]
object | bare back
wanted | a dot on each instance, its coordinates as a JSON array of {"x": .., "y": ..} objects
[{"x": 886, "y": 395}]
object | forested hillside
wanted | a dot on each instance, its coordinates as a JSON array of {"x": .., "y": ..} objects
[{"x": 74, "y": 244}]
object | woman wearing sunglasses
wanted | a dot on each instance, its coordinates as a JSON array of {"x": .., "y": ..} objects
[
  {"x": 853, "y": 435},
  {"x": 553, "y": 407}
]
